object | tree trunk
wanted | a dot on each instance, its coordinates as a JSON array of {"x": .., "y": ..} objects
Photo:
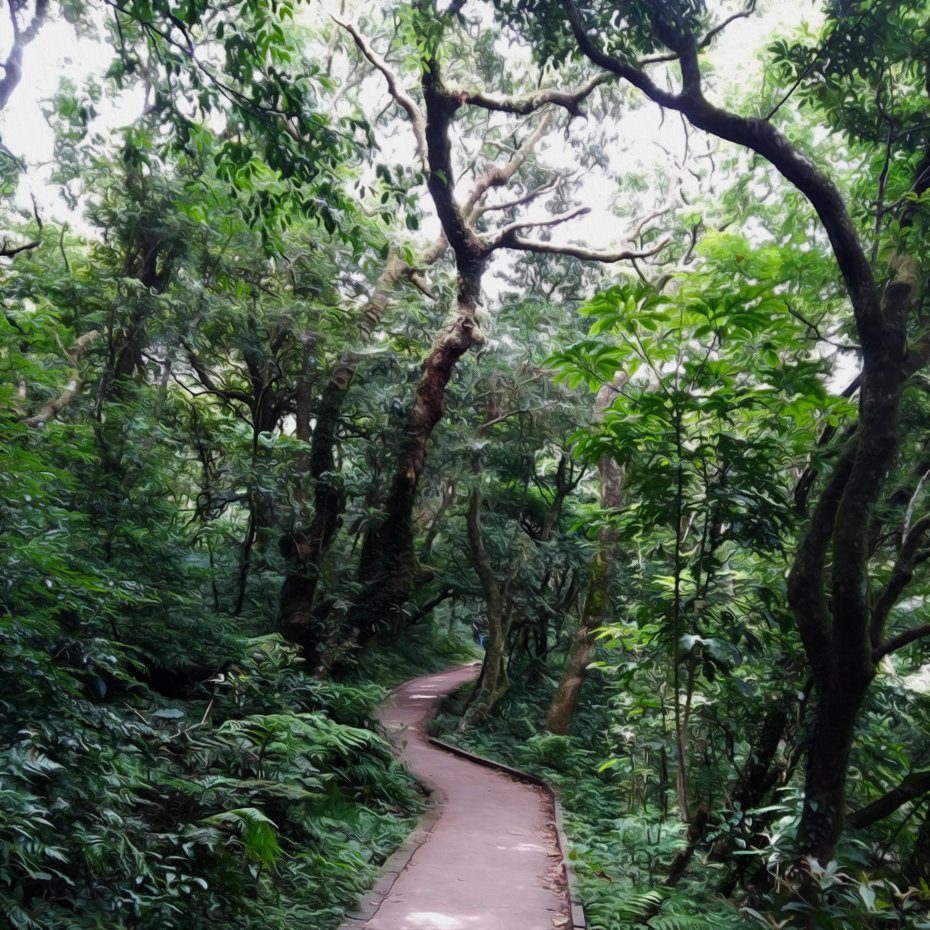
[
  {"x": 493, "y": 682},
  {"x": 756, "y": 779},
  {"x": 825, "y": 779},
  {"x": 305, "y": 548},
  {"x": 565, "y": 700},
  {"x": 387, "y": 566}
]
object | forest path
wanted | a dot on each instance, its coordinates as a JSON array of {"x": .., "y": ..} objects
[{"x": 490, "y": 859}]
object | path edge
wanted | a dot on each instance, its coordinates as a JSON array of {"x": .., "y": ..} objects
[
  {"x": 577, "y": 917},
  {"x": 390, "y": 870}
]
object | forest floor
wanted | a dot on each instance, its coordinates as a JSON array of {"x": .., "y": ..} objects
[{"x": 489, "y": 859}]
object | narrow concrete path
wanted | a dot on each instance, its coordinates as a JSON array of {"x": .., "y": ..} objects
[{"x": 490, "y": 860}]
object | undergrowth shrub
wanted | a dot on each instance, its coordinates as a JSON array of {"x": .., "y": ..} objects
[
  {"x": 251, "y": 804},
  {"x": 618, "y": 854}
]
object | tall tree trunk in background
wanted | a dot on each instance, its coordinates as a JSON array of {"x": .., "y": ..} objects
[
  {"x": 493, "y": 682},
  {"x": 597, "y": 600},
  {"x": 267, "y": 406},
  {"x": 149, "y": 259},
  {"x": 305, "y": 547},
  {"x": 534, "y": 634}
]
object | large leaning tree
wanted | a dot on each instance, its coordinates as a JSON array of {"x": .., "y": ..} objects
[
  {"x": 481, "y": 206},
  {"x": 867, "y": 74}
]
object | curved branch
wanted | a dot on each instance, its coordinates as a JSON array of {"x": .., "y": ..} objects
[
  {"x": 528, "y": 197},
  {"x": 912, "y": 786},
  {"x": 577, "y": 251},
  {"x": 499, "y": 175},
  {"x": 530, "y": 103},
  {"x": 901, "y": 640},
  {"x": 9, "y": 251},
  {"x": 74, "y": 386},
  {"x": 709, "y": 37},
  {"x": 762, "y": 138},
  {"x": 806, "y": 578},
  {"x": 503, "y": 237},
  {"x": 400, "y": 96}
]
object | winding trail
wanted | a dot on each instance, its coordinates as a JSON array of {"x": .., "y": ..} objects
[{"x": 490, "y": 859}]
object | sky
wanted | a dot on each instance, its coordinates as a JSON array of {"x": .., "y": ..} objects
[{"x": 59, "y": 54}]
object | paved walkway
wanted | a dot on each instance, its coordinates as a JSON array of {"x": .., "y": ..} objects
[{"x": 490, "y": 860}]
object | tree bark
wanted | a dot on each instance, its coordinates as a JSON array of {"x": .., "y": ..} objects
[
  {"x": 581, "y": 651},
  {"x": 493, "y": 682},
  {"x": 387, "y": 566}
]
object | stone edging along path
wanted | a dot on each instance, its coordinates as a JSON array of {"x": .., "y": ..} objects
[{"x": 392, "y": 869}]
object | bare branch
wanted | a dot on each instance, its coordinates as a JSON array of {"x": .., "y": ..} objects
[
  {"x": 805, "y": 580},
  {"x": 499, "y": 175},
  {"x": 577, "y": 251},
  {"x": 501, "y": 237},
  {"x": 530, "y": 103},
  {"x": 804, "y": 484},
  {"x": 422, "y": 285},
  {"x": 528, "y": 197},
  {"x": 712, "y": 34},
  {"x": 401, "y": 97},
  {"x": 909, "y": 557},
  {"x": 909, "y": 512},
  {"x": 74, "y": 386}
]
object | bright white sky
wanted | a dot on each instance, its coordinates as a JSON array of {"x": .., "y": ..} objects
[
  {"x": 58, "y": 54},
  {"x": 647, "y": 141}
]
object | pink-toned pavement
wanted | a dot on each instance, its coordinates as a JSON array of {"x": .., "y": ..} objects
[{"x": 489, "y": 860}]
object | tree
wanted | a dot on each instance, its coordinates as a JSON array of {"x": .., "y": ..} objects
[
  {"x": 844, "y": 635},
  {"x": 387, "y": 565}
]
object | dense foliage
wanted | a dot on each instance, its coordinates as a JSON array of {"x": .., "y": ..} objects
[{"x": 320, "y": 356}]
